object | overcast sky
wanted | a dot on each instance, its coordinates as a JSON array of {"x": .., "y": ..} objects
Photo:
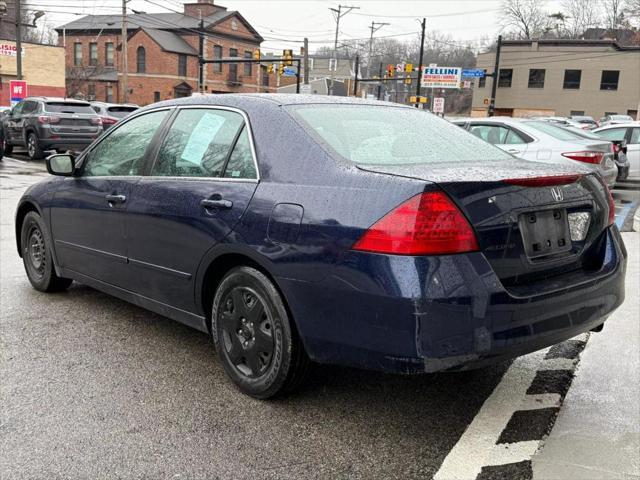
[{"x": 284, "y": 23}]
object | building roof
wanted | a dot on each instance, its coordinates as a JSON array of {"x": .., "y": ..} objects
[
  {"x": 157, "y": 21},
  {"x": 169, "y": 41},
  {"x": 624, "y": 36},
  {"x": 558, "y": 42}
]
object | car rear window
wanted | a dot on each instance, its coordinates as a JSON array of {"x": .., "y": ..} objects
[
  {"x": 381, "y": 135},
  {"x": 555, "y": 131},
  {"x": 120, "y": 112},
  {"x": 63, "y": 107}
]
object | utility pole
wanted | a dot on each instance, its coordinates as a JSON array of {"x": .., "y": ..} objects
[
  {"x": 125, "y": 60},
  {"x": 380, "y": 83},
  {"x": 339, "y": 15},
  {"x": 357, "y": 69},
  {"x": 18, "y": 42},
  {"x": 305, "y": 59},
  {"x": 419, "y": 80},
  {"x": 201, "y": 55},
  {"x": 494, "y": 84},
  {"x": 375, "y": 26}
]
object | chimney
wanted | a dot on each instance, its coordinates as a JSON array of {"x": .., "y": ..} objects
[{"x": 204, "y": 7}]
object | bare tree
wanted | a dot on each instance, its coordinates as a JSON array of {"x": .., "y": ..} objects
[
  {"x": 632, "y": 10},
  {"x": 613, "y": 13},
  {"x": 581, "y": 15},
  {"x": 524, "y": 18}
]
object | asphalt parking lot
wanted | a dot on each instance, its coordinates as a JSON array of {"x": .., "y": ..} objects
[{"x": 93, "y": 387}]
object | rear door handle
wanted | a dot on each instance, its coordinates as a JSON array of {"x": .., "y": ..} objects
[
  {"x": 112, "y": 199},
  {"x": 220, "y": 203},
  {"x": 513, "y": 150}
]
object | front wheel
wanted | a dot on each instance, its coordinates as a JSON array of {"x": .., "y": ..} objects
[
  {"x": 254, "y": 335},
  {"x": 36, "y": 256},
  {"x": 33, "y": 147}
]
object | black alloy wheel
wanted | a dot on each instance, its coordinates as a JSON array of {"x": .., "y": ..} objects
[
  {"x": 254, "y": 335},
  {"x": 36, "y": 256}
]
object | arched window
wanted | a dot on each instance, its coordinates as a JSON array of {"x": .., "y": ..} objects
[{"x": 141, "y": 60}]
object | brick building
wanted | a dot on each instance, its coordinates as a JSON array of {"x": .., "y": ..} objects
[{"x": 162, "y": 51}]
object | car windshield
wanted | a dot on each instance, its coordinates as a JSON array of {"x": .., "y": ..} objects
[
  {"x": 559, "y": 133},
  {"x": 64, "y": 107},
  {"x": 120, "y": 111},
  {"x": 380, "y": 135}
]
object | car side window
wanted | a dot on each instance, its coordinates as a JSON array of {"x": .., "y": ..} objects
[
  {"x": 122, "y": 151},
  {"x": 241, "y": 163},
  {"x": 635, "y": 136},
  {"x": 514, "y": 138},
  {"x": 29, "y": 107},
  {"x": 198, "y": 143},
  {"x": 494, "y": 134},
  {"x": 613, "y": 133},
  {"x": 17, "y": 110}
]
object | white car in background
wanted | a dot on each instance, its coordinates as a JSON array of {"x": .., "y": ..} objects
[
  {"x": 631, "y": 133},
  {"x": 541, "y": 141},
  {"x": 615, "y": 119}
]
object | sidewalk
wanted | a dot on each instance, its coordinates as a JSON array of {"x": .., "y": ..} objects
[{"x": 597, "y": 434}]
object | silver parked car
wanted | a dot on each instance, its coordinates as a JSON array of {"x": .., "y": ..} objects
[
  {"x": 542, "y": 141},
  {"x": 112, "y": 113},
  {"x": 629, "y": 132},
  {"x": 615, "y": 119}
]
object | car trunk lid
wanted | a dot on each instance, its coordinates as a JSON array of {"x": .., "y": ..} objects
[{"x": 531, "y": 222}]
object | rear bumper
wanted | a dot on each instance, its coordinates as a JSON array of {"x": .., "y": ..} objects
[{"x": 417, "y": 314}]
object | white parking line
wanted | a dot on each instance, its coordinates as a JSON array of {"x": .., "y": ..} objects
[
  {"x": 477, "y": 447},
  {"x": 13, "y": 159}
]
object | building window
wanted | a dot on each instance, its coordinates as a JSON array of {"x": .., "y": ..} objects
[
  {"x": 141, "y": 61},
  {"x": 505, "y": 75},
  {"x": 93, "y": 54},
  {"x": 77, "y": 54},
  {"x": 217, "y": 53},
  {"x": 482, "y": 81},
  {"x": 91, "y": 91},
  {"x": 182, "y": 65},
  {"x": 156, "y": 97},
  {"x": 609, "y": 80},
  {"x": 333, "y": 64},
  {"x": 311, "y": 64},
  {"x": 577, "y": 113},
  {"x": 247, "y": 66},
  {"x": 265, "y": 75},
  {"x": 233, "y": 67},
  {"x": 108, "y": 54},
  {"x": 572, "y": 79},
  {"x": 536, "y": 77},
  {"x": 108, "y": 97}
]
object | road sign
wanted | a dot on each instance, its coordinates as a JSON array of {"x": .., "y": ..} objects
[
  {"x": 438, "y": 105},
  {"x": 466, "y": 84},
  {"x": 18, "y": 90},
  {"x": 486, "y": 101},
  {"x": 305, "y": 88},
  {"x": 289, "y": 72},
  {"x": 474, "y": 72},
  {"x": 441, "y": 77}
]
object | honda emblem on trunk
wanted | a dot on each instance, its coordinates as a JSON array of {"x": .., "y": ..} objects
[{"x": 557, "y": 194}]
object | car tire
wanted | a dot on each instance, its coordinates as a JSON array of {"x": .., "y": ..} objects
[
  {"x": 255, "y": 337},
  {"x": 33, "y": 147},
  {"x": 37, "y": 257}
]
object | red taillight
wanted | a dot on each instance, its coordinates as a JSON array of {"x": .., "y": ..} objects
[
  {"x": 109, "y": 121},
  {"x": 427, "y": 224},
  {"x": 96, "y": 121},
  {"x": 586, "y": 157},
  {"x": 43, "y": 119},
  {"x": 544, "y": 181}
]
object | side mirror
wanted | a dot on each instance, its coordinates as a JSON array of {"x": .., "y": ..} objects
[{"x": 61, "y": 164}]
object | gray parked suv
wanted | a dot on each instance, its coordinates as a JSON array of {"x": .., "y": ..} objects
[{"x": 44, "y": 123}]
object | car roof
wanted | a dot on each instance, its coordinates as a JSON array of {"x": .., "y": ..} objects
[
  {"x": 105, "y": 104},
  {"x": 58, "y": 99},
  {"x": 618, "y": 125}
]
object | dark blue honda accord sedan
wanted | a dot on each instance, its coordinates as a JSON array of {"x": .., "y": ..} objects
[{"x": 303, "y": 228}]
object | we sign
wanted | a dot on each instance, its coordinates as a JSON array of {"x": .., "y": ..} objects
[{"x": 18, "y": 89}]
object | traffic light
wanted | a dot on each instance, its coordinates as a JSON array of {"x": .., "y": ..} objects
[
  {"x": 407, "y": 81},
  {"x": 408, "y": 68},
  {"x": 281, "y": 69},
  {"x": 391, "y": 69},
  {"x": 271, "y": 68},
  {"x": 287, "y": 57},
  {"x": 256, "y": 54}
]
